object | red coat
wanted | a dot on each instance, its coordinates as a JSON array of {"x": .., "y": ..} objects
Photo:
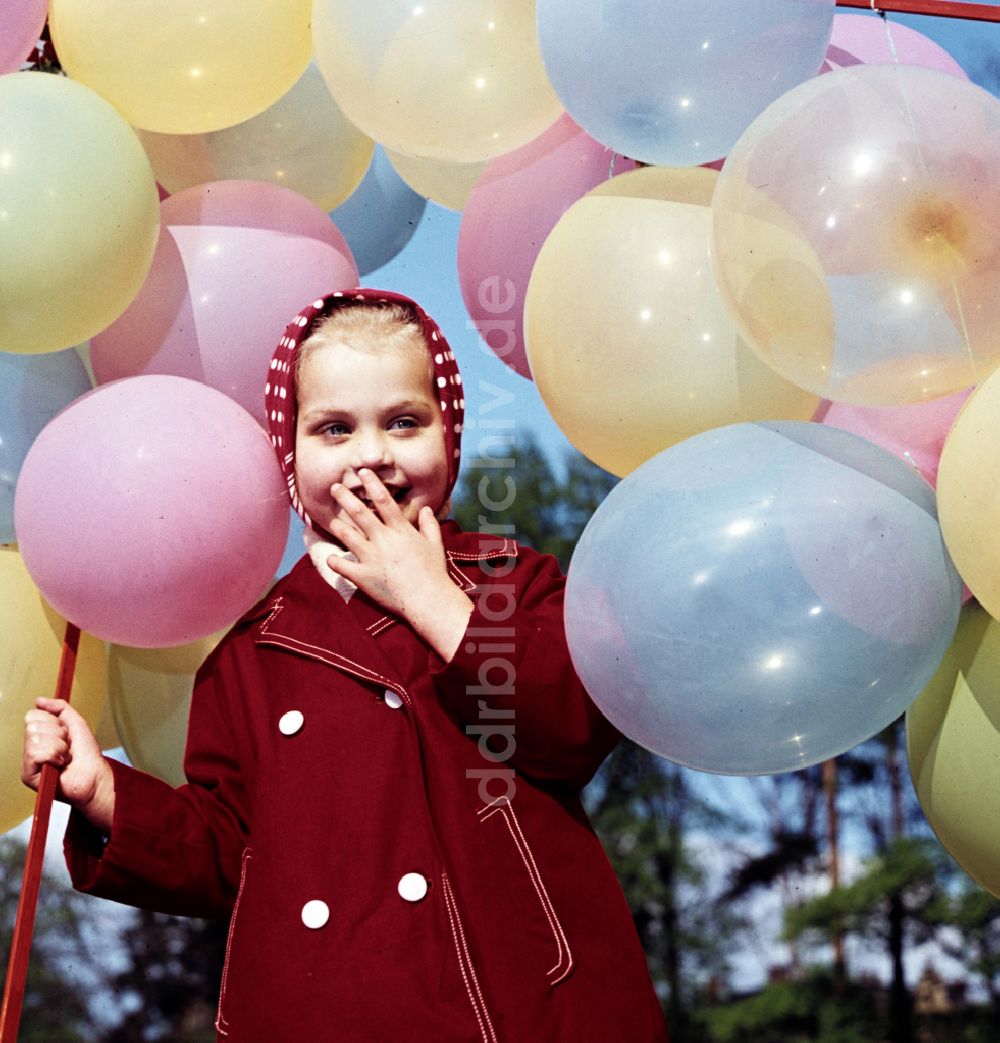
[{"x": 387, "y": 878}]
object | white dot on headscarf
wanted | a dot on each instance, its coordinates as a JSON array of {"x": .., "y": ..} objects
[
  {"x": 441, "y": 382},
  {"x": 318, "y": 303},
  {"x": 439, "y": 358},
  {"x": 434, "y": 335}
]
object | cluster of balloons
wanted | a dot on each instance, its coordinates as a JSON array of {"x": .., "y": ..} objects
[{"x": 768, "y": 331}]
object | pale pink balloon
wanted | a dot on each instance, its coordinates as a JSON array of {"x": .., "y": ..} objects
[
  {"x": 151, "y": 511},
  {"x": 236, "y": 261},
  {"x": 914, "y": 432},
  {"x": 859, "y": 39},
  {"x": 514, "y": 204},
  {"x": 21, "y": 23}
]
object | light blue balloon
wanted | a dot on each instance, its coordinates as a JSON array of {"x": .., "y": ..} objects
[
  {"x": 294, "y": 546},
  {"x": 761, "y": 597},
  {"x": 380, "y": 216},
  {"x": 33, "y": 388},
  {"x": 677, "y": 83}
]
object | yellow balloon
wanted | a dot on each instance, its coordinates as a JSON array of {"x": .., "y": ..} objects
[
  {"x": 442, "y": 79},
  {"x": 149, "y": 690},
  {"x": 888, "y": 174},
  {"x": 447, "y": 184},
  {"x": 953, "y": 746},
  {"x": 187, "y": 66},
  {"x": 628, "y": 341},
  {"x": 79, "y": 213},
  {"x": 303, "y": 141},
  {"x": 968, "y": 493},
  {"x": 29, "y": 667}
]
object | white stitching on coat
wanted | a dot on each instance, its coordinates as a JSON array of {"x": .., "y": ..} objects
[
  {"x": 219, "y": 1018},
  {"x": 464, "y": 959}
]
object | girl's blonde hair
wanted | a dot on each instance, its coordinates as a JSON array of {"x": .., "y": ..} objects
[{"x": 368, "y": 326}]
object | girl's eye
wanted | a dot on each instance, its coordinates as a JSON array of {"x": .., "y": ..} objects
[
  {"x": 336, "y": 430},
  {"x": 403, "y": 423}
]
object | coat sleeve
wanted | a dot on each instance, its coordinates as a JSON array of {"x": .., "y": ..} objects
[
  {"x": 513, "y": 668},
  {"x": 175, "y": 850}
]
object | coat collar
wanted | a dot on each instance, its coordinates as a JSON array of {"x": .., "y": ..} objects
[{"x": 303, "y": 614}]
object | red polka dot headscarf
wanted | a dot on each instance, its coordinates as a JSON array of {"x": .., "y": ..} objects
[{"x": 279, "y": 393}]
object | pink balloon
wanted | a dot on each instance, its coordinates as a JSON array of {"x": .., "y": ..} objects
[
  {"x": 236, "y": 261},
  {"x": 859, "y": 39},
  {"x": 151, "y": 511},
  {"x": 915, "y": 432},
  {"x": 22, "y": 22},
  {"x": 514, "y": 204}
]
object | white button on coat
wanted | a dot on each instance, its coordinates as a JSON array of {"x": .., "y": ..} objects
[
  {"x": 291, "y": 722},
  {"x": 412, "y": 886},
  {"x": 315, "y": 914},
  {"x": 392, "y": 699}
]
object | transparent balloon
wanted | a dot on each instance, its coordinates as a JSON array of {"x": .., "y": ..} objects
[
  {"x": 185, "y": 67},
  {"x": 33, "y": 388},
  {"x": 302, "y": 142},
  {"x": 149, "y": 690},
  {"x": 442, "y": 79},
  {"x": 236, "y": 260},
  {"x": 379, "y": 218},
  {"x": 513, "y": 206},
  {"x": 22, "y": 22},
  {"x": 968, "y": 489},
  {"x": 179, "y": 511},
  {"x": 676, "y": 84},
  {"x": 761, "y": 597},
  {"x": 857, "y": 234},
  {"x": 78, "y": 232},
  {"x": 31, "y": 638},
  {"x": 628, "y": 341},
  {"x": 953, "y": 745}
]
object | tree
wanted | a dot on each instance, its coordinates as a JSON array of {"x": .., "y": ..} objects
[{"x": 57, "y": 1001}]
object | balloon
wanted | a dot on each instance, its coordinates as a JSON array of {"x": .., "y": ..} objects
[
  {"x": 953, "y": 746},
  {"x": 676, "y": 84},
  {"x": 859, "y": 39},
  {"x": 761, "y": 597},
  {"x": 968, "y": 487},
  {"x": 78, "y": 231},
  {"x": 186, "y": 67},
  {"x": 152, "y": 512},
  {"x": 442, "y": 79},
  {"x": 29, "y": 667},
  {"x": 235, "y": 260},
  {"x": 33, "y": 388},
  {"x": 380, "y": 216},
  {"x": 628, "y": 341},
  {"x": 150, "y": 695},
  {"x": 886, "y": 176},
  {"x": 447, "y": 184},
  {"x": 915, "y": 433},
  {"x": 513, "y": 206},
  {"x": 302, "y": 142},
  {"x": 22, "y": 22}
]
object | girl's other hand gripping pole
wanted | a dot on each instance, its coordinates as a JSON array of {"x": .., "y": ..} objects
[{"x": 17, "y": 966}]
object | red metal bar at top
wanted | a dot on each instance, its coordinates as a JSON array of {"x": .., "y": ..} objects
[{"x": 941, "y": 8}]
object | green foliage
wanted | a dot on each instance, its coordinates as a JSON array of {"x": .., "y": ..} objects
[
  {"x": 909, "y": 867},
  {"x": 816, "y": 1008},
  {"x": 55, "y": 1008}
]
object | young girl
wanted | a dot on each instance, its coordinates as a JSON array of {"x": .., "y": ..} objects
[{"x": 385, "y": 755}]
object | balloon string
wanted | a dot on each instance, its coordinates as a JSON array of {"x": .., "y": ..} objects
[{"x": 24, "y": 923}]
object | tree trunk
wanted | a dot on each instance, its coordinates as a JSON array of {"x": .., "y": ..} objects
[
  {"x": 833, "y": 850},
  {"x": 900, "y": 1014}
]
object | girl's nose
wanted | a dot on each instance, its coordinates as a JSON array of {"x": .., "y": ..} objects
[{"x": 372, "y": 451}]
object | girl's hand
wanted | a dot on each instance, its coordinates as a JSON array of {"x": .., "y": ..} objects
[
  {"x": 401, "y": 566},
  {"x": 54, "y": 733}
]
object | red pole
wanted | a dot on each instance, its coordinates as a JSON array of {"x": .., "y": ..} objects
[
  {"x": 941, "y": 8},
  {"x": 17, "y": 968}
]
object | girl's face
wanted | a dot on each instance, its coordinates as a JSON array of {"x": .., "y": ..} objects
[{"x": 369, "y": 409}]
